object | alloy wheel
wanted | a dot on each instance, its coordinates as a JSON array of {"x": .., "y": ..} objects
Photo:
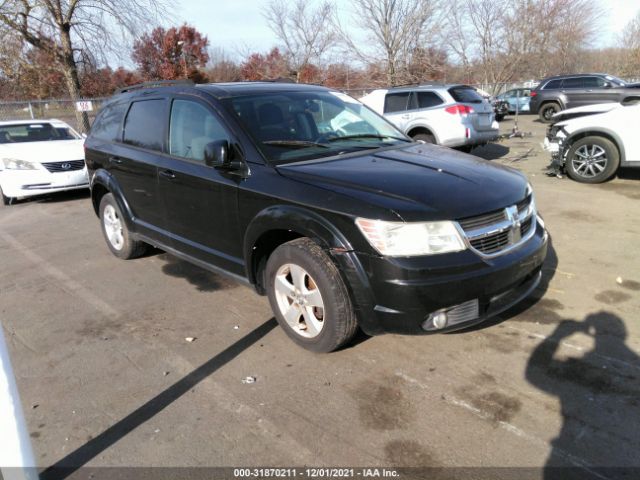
[
  {"x": 113, "y": 227},
  {"x": 589, "y": 160}
]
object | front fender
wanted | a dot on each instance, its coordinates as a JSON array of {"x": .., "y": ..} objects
[
  {"x": 309, "y": 224},
  {"x": 103, "y": 178}
]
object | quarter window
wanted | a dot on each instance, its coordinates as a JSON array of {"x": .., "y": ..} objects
[
  {"x": 192, "y": 127},
  {"x": 396, "y": 102},
  {"x": 144, "y": 126}
]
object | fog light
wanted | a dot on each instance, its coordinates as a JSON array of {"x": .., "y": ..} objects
[{"x": 439, "y": 320}]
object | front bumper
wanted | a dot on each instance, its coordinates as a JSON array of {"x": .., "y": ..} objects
[
  {"x": 408, "y": 291},
  {"x": 28, "y": 183}
]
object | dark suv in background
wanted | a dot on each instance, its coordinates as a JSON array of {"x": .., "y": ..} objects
[
  {"x": 316, "y": 201},
  {"x": 569, "y": 91}
]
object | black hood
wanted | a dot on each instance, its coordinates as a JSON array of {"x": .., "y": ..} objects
[{"x": 418, "y": 182}]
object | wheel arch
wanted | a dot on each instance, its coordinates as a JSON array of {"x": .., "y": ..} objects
[
  {"x": 590, "y": 132},
  {"x": 416, "y": 129},
  {"x": 103, "y": 182}
]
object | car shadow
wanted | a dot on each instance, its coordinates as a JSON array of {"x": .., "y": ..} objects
[
  {"x": 627, "y": 173},
  {"x": 94, "y": 447},
  {"x": 203, "y": 280},
  {"x": 599, "y": 394},
  {"x": 491, "y": 151}
]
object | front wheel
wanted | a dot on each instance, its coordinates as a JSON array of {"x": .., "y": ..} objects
[
  {"x": 308, "y": 296},
  {"x": 115, "y": 230},
  {"x": 424, "y": 137},
  {"x": 5, "y": 200},
  {"x": 499, "y": 117},
  {"x": 592, "y": 160}
]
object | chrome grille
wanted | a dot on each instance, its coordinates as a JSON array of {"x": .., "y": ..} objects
[
  {"x": 67, "y": 166},
  {"x": 497, "y": 232}
]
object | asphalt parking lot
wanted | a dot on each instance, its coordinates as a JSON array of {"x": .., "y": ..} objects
[{"x": 107, "y": 378}]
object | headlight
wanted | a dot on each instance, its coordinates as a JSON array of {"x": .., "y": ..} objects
[
  {"x": 15, "y": 164},
  {"x": 399, "y": 239}
]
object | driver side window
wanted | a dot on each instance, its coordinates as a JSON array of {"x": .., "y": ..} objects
[{"x": 191, "y": 128}]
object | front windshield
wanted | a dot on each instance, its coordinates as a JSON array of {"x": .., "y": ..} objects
[
  {"x": 294, "y": 126},
  {"x": 35, "y": 132}
]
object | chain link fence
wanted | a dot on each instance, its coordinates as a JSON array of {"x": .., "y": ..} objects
[{"x": 61, "y": 109}]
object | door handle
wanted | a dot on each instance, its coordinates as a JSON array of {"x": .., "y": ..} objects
[
  {"x": 116, "y": 160},
  {"x": 167, "y": 174}
]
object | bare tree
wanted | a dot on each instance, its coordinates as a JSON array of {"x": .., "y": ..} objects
[
  {"x": 306, "y": 32},
  {"x": 630, "y": 41},
  {"x": 69, "y": 30},
  {"x": 395, "y": 29}
]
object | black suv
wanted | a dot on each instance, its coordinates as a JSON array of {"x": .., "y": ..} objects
[
  {"x": 569, "y": 91},
  {"x": 316, "y": 201}
]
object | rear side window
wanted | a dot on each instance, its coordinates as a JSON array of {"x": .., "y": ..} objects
[
  {"x": 572, "y": 83},
  {"x": 144, "y": 126},
  {"x": 465, "y": 95},
  {"x": 107, "y": 125},
  {"x": 553, "y": 84},
  {"x": 396, "y": 102},
  {"x": 428, "y": 99}
]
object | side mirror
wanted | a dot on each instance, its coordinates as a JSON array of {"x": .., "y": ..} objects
[
  {"x": 216, "y": 154},
  {"x": 219, "y": 154},
  {"x": 607, "y": 85}
]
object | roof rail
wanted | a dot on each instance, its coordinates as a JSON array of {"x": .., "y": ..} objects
[{"x": 153, "y": 84}]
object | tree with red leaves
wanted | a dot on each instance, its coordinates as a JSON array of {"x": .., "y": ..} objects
[
  {"x": 271, "y": 66},
  {"x": 172, "y": 54}
]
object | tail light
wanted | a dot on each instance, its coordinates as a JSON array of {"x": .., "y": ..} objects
[
  {"x": 459, "y": 109},
  {"x": 533, "y": 94}
]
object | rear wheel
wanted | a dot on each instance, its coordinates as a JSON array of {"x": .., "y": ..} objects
[
  {"x": 308, "y": 296},
  {"x": 425, "y": 137},
  {"x": 500, "y": 117},
  {"x": 547, "y": 111},
  {"x": 115, "y": 230},
  {"x": 592, "y": 160}
]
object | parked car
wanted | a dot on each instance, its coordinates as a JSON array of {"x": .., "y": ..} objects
[
  {"x": 319, "y": 203},
  {"x": 591, "y": 148},
  {"x": 569, "y": 91},
  {"x": 39, "y": 156},
  {"x": 517, "y": 99},
  {"x": 500, "y": 109},
  {"x": 448, "y": 115}
]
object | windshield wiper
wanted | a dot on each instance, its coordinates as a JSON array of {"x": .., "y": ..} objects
[
  {"x": 366, "y": 135},
  {"x": 295, "y": 143}
]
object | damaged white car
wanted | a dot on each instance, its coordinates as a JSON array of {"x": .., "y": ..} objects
[{"x": 591, "y": 143}]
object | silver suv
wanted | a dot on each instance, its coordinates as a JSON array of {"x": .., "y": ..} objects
[{"x": 449, "y": 115}]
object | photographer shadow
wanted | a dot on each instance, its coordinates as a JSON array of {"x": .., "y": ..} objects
[{"x": 599, "y": 394}]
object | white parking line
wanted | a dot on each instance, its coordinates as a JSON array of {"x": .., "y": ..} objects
[{"x": 67, "y": 283}]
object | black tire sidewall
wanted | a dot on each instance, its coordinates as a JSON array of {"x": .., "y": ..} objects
[
  {"x": 331, "y": 287},
  {"x": 548, "y": 106},
  {"x": 613, "y": 159}
]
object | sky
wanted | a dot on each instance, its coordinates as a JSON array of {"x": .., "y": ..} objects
[{"x": 239, "y": 27}]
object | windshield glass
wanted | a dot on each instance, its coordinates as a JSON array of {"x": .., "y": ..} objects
[
  {"x": 294, "y": 126},
  {"x": 35, "y": 132}
]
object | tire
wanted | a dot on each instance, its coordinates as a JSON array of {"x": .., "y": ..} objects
[
  {"x": 592, "y": 160},
  {"x": 425, "y": 137},
  {"x": 5, "y": 200},
  {"x": 303, "y": 282},
  {"x": 547, "y": 110},
  {"x": 115, "y": 230},
  {"x": 499, "y": 117}
]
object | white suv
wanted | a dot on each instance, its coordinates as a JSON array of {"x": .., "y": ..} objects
[
  {"x": 591, "y": 148},
  {"x": 449, "y": 115}
]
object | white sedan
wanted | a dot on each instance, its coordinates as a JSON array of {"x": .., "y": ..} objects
[
  {"x": 40, "y": 156},
  {"x": 590, "y": 148}
]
